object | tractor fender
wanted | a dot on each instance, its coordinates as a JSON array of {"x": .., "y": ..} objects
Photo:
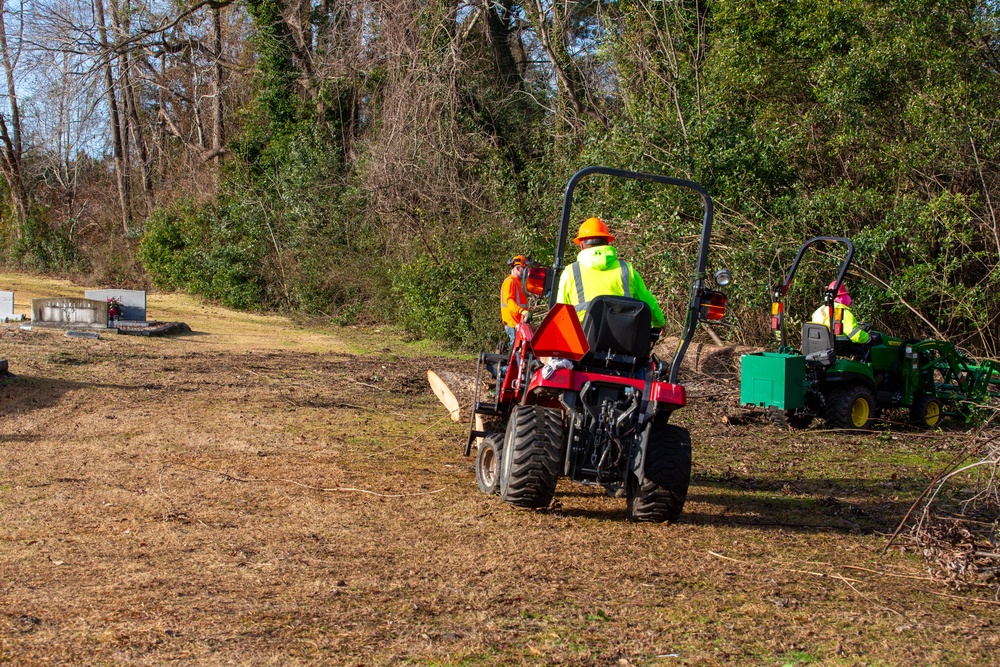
[
  {"x": 850, "y": 367},
  {"x": 638, "y": 457},
  {"x": 838, "y": 376}
]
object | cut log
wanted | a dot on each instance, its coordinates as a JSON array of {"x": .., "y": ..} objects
[{"x": 455, "y": 391}]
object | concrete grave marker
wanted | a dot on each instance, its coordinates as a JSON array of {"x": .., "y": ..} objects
[
  {"x": 70, "y": 310},
  {"x": 133, "y": 301},
  {"x": 6, "y": 305},
  {"x": 7, "y": 308}
]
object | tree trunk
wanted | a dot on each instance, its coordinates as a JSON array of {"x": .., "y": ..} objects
[
  {"x": 218, "y": 129},
  {"x": 117, "y": 136},
  {"x": 552, "y": 36},
  {"x": 10, "y": 162},
  {"x": 145, "y": 163},
  {"x": 123, "y": 26},
  {"x": 498, "y": 18}
]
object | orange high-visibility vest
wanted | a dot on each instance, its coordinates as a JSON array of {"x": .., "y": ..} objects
[{"x": 513, "y": 301}]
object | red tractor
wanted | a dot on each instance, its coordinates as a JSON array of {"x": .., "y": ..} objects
[{"x": 589, "y": 400}]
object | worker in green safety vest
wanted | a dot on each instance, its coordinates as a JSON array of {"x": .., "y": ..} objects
[
  {"x": 597, "y": 271},
  {"x": 850, "y": 327}
]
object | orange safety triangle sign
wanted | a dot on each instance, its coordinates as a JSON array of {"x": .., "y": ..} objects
[{"x": 560, "y": 335}]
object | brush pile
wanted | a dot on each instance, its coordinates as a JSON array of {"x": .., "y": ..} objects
[{"x": 958, "y": 526}]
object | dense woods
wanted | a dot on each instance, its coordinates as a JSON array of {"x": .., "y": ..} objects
[{"x": 380, "y": 159}]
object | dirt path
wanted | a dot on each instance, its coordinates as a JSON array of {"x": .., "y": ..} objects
[{"x": 260, "y": 493}]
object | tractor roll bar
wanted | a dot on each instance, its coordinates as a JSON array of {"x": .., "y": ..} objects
[
  {"x": 698, "y": 284},
  {"x": 781, "y": 290},
  {"x": 830, "y": 294}
]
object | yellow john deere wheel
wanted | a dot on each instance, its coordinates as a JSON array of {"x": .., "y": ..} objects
[
  {"x": 850, "y": 406},
  {"x": 926, "y": 412},
  {"x": 860, "y": 412},
  {"x": 932, "y": 414}
]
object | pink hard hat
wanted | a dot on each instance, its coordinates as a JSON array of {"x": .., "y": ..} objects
[{"x": 843, "y": 296}]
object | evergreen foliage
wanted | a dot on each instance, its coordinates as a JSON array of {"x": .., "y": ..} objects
[{"x": 399, "y": 188}]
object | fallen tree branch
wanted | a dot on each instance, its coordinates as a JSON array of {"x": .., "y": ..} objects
[
  {"x": 961, "y": 456},
  {"x": 785, "y": 569},
  {"x": 847, "y": 580}
]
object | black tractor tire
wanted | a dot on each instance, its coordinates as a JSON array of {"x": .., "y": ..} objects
[
  {"x": 926, "y": 411},
  {"x": 488, "y": 464},
  {"x": 532, "y": 456},
  {"x": 789, "y": 419},
  {"x": 659, "y": 493},
  {"x": 852, "y": 406}
]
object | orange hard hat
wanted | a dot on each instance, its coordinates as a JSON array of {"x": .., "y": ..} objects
[
  {"x": 591, "y": 228},
  {"x": 517, "y": 260}
]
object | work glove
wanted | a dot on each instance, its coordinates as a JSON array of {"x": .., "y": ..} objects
[
  {"x": 654, "y": 334},
  {"x": 526, "y": 317}
]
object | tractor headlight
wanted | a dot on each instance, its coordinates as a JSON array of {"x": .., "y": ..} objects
[{"x": 723, "y": 277}]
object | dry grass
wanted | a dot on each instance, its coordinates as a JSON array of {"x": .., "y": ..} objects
[{"x": 259, "y": 493}]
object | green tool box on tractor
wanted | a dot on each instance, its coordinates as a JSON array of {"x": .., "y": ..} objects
[{"x": 848, "y": 384}]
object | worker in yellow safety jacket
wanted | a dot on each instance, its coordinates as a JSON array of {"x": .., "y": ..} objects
[
  {"x": 513, "y": 300},
  {"x": 597, "y": 271},
  {"x": 851, "y": 328}
]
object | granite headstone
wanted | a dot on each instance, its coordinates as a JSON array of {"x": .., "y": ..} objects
[{"x": 133, "y": 302}]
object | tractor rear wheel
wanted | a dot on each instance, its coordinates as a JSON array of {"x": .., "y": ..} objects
[
  {"x": 532, "y": 456},
  {"x": 789, "y": 418},
  {"x": 488, "y": 464},
  {"x": 926, "y": 411},
  {"x": 852, "y": 406},
  {"x": 658, "y": 494}
]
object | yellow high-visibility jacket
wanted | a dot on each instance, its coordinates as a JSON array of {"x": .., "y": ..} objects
[
  {"x": 601, "y": 273},
  {"x": 851, "y": 328}
]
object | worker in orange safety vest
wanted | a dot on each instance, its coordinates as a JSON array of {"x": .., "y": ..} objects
[{"x": 513, "y": 300}]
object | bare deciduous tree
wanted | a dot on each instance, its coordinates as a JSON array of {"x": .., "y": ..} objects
[{"x": 11, "y": 157}]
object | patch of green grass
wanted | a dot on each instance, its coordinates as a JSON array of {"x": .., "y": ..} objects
[
  {"x": 599, "y": 615},
  {"x": 471, "y": 660},
  {"x": 796, "y": 658}
]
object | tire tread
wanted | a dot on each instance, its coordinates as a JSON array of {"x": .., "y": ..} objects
[
  {"x": 536, "y": 460},
  {"x": 659, "y": 494}
]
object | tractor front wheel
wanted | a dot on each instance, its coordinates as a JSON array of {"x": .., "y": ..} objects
[
  {"x": 852, "y": 406},
  {"x": 488, "y": 464},
  {"x": 926, "y": 411},
  {"x": 659, "y": 492},
  {"x": 532, "y": 456}
]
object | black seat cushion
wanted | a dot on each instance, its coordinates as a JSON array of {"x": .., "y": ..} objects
[{"x": 617, "y": 329}]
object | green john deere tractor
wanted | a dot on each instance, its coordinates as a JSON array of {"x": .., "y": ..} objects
[{"x": 847, "y": 384}]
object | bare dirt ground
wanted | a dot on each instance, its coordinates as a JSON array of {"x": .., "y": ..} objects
[{"x": 264, "y": 493}]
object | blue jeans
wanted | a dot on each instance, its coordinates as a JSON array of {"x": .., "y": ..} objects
[{"x": 510, "y": 333}]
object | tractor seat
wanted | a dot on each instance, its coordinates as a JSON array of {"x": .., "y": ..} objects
[
  {"x": 817, "y": 347},
  {"x": 617, "y": 329}
]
